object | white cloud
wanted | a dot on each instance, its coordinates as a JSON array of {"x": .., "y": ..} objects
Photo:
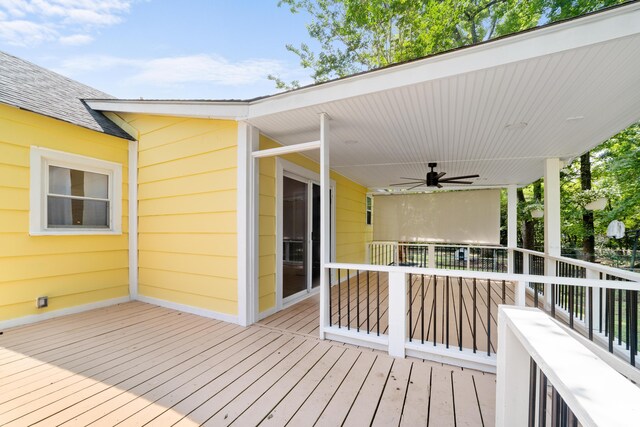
[
  {"x": 25, "y": 33},
  {"x": 176, "y": 70},
  {"x": 57, "y": 19},
  {"x": 76, "y": 40}
]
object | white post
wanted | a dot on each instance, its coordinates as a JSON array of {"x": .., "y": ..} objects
[
  {"x": 512, "y": 225},
  {"x": 397, "y": 314},
  {"x": 512, "y": 377},
  {"x": 133, "y": 220},
  {"x": 595, "y": 302},
  {"x": 552, "y": 241},
  {"x": 325, "y": 222},
  {"x": 432, "y": 256},
  {"x": 247, "y": 209}
]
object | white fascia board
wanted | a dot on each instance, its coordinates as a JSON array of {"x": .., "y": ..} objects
[
  {"x": 199, "y": 109},
  {"x": 590, "y": 30}
]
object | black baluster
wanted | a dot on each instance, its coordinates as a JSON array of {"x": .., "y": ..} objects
[
  {"x": 571, "y": 298},
  {"x": 475, "y": 309},
  {"x": 590, "y": 311},
  {"x": 368, "y": 300},
  {"x": 488, "y": 317},
  {"x": 339, "y": 300},
  {"x": 447, "y": 312},
  {"x": 611, "y": 320},
  {"x": 378, "y": 303},
  {"x": 542, "y": 400},
  {"x": 422, "y": 308},
  {"x": 330, "y": 301},
  {"x": 533, "y": 370},
  {"x": 435, "y": 309},
  {"x": 358, "y": 300},
  {"x": 504, "y": 292},
  {"x": 348, "y": 300},
  {"x": 460, "y": 313},
  {"x": 410, "y": 308}
]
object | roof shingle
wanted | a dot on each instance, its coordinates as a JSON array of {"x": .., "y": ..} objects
[{"x": 36, "y": 89}]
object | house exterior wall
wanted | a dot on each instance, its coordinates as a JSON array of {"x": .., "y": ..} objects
[
  {"x": 72, "y": 270},
  {"x": 352, "y": 233},
  {"x": 187, "y": 239}
]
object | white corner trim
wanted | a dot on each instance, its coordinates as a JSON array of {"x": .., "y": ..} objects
[
  {"x": 189, "y": 309},
  {"x": 33, "y": 318},
  {"x": 133, "y": 219}
]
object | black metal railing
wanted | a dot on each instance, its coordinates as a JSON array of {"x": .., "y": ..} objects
[
  {"x": 546, "y": 405},
  {"x": 413, "y": 255},
  {"x": 455, "y": 311},
  {"x": 518, "y": 262},
  {"x": 359, "y": 301}
]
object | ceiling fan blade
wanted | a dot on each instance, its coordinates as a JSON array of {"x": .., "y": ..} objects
[
  {"x": 457, "y": 182},
  {"x": 416, "y": 186},
  {"x": 440, "y": 175},
  {"x": 415, "y": 179},
  {"x": 406, "y": 183},
  {"x": 460, "y": 177},
  {"x": 438, "y": 185}
]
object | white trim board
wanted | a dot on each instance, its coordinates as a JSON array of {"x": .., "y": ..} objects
[
  {"x": 230, "y": 318},
  {"x": 33, "y": 318}
]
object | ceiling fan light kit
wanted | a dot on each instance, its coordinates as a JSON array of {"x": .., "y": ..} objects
[{"x": 435, "y": 179}]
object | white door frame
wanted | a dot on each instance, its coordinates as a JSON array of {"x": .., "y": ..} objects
[{"x": 286, "y": 168}]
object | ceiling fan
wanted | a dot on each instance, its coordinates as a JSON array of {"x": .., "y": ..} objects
[{"x": 434, "y": 179}]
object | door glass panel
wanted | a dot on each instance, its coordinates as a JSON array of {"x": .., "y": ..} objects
[
  {"x": 315, "y": 238},
  {"x": 294, "y": 230}
]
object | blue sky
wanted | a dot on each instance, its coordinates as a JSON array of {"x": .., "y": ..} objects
[{"x": 213, "y": 49}]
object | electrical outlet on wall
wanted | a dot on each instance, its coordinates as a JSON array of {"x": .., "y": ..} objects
[{"x": 42, "y": 302}]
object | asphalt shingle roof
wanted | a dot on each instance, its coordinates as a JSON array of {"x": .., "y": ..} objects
[{"x": 33, "y": 88}]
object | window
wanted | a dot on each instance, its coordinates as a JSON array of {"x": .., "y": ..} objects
[
  {"x": 369, "y": 209},
  {"x": 72, "y": 194}
]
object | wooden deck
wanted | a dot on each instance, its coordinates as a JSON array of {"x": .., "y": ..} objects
[{"x": 139, "y": 364}]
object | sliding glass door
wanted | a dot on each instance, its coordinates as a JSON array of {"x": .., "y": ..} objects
[{"x": 300, "y": 236}]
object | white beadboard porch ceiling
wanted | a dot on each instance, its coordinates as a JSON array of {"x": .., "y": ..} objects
[{"x": 571, "y": 100}]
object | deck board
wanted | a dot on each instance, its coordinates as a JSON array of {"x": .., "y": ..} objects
[{"x": 140, "y": 364}]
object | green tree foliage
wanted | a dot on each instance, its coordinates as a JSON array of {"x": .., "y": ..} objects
[{"x": 356, "y": 35}]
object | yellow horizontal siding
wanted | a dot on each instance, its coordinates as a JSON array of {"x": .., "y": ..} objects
[
  {"x": 187, "y": 211},
  {"x": 70, "y": 270}
]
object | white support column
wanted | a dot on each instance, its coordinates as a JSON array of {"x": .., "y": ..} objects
[
  {"x": 247, "y": 208},
  {"x": 512, "y": 225},
  {"x": 397, "y": 314},
  {"x": 432, "y": 256},
  {"x": 133, "y": 220},
  {"x": 325, "y": 222},
  {"x": 552, "y": 241}
]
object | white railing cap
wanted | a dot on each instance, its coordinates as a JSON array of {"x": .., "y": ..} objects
[{"x": 596, "y": 393}]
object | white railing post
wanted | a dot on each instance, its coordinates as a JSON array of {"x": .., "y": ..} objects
[
  {"x": 396, "y": 247},
  {"x": 520, "y": 294},
  {"x": 325, "y": 223},
  {"x": 595, "y": 301},
  {"x": 512, "y": 377},
  {"x": 467, "y": 251},
  {"x": 397, "y": 314},
  {"x": 525, "y": 265},
  {"x": 432, "y": 256},
  {"x": 367, "y": 253}
]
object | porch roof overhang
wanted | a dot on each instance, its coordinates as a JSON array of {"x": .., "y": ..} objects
[{"x": 497, "y": 109}]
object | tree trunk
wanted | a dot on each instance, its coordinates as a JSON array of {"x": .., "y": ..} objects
[
  {"x": 527, "y": 225},
  {"x": 589, "y": 240}
]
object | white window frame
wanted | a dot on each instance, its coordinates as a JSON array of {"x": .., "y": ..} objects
[
  {"x": 368, "y": 209},
  {"x": 41, "y": 159}
]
